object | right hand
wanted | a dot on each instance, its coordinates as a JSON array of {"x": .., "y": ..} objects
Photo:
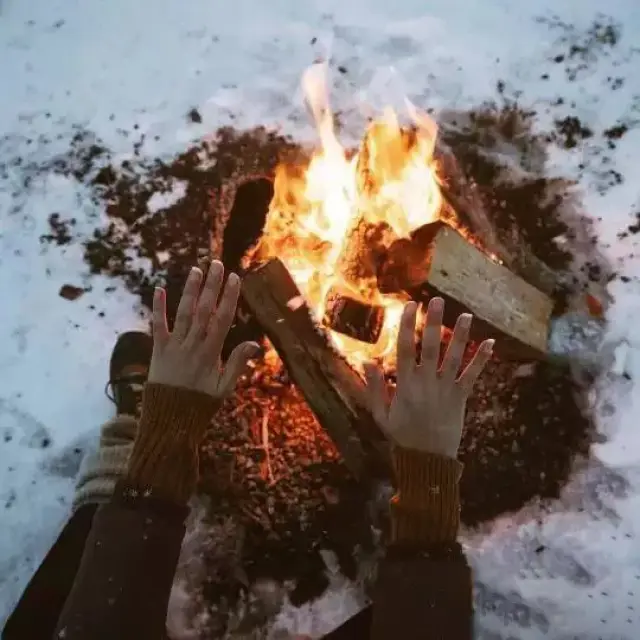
[{"x": 426, "y": 413}]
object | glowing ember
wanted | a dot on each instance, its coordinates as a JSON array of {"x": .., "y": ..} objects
[{"x": 390, "y": 185}]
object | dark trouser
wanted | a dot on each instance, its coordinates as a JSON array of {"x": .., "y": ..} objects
[
  {"x": 356, "y": 628},
  {"x": 37, "y": 612}
]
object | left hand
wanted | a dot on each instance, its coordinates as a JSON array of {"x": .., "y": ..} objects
[{"x": 190, "y": 356}]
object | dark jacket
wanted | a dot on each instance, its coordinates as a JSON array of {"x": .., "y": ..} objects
[{"x": 123, "y": 583}]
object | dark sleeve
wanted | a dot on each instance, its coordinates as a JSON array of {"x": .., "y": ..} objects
[
  {"x": 423, "y": 590},
  {"x": 423, "y": 595},
  {"x": 124, "y": 580}
]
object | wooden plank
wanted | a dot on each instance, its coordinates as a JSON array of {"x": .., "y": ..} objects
[
  {"x": 437, "y": 260},
  {"x": 332, "y": 389}
]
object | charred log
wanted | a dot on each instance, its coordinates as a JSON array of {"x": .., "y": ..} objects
[
  {"x": 333, "y": 390},
  {"x": 362, "y": 252},
  {"x": 353, "y": 317}
]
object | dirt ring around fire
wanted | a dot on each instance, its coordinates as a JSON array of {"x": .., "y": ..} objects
[{"x": 525, "y": 425}]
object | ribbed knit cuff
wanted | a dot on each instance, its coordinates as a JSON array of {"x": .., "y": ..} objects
[
  {"x": 164, "y": 460},
  {"x": 426, "y": 508}
]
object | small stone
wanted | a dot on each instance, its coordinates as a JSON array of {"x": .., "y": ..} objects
[
  {"x": 194, "y": 116},
  {"x": 70, "y": 292}
]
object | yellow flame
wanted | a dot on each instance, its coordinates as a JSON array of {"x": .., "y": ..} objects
[{"x": 314, "y": 207}]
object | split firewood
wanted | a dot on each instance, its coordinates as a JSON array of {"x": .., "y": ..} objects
[
  {"x": 332, "y": 389},
  {"x": 349, "y": 309},
  {"x": 437, "y": 260},
  {"x": 461, "y": 203},
  {"x": 352, "y": 317}
]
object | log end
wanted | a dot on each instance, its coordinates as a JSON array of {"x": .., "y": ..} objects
[{"x": 353, "y": 318}]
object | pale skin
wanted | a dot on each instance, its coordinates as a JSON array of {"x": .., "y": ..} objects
[
  {"x": 190, "y": 355},
  {"x": 425, "y": 413}
]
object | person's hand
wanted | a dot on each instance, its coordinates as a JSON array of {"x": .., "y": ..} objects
[
  {"x": 426, "y": 412},
  {"x": 189, "y": 356}
]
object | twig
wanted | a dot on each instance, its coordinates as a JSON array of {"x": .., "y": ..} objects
[{"x": 265, "y": 445}]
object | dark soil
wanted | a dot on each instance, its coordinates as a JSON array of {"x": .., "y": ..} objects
[
  {"x": 291, "y": 497},
  {"x": 523, "y": 430},
  {"x": 61, "y": 230},
  {"x": 183, "y": 232},
  {"x": 524, "y": 423}
]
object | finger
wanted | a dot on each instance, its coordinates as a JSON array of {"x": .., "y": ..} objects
[
  {"x": 406, "y": 350},
  {"x": 377, "y": 393},
  {"x": 475, "y": 367},
  {"x": 453, "y": 358},
  {"x": 431, "y": 336},
  {"x": 222, "y": 319},
  {"x": 236, "y": 365},
  {"x": 187, "y": 305},
  {"x": 208, "y": 298},
  {"x": 159, "y": 316}
]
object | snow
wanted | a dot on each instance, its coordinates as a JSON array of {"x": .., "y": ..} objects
[
  {"x": 573, "y": 567},
  {"x": 159, "y": 201}
]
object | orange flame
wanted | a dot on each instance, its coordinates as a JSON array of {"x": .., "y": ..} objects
[{"x": 391, "y": 183}]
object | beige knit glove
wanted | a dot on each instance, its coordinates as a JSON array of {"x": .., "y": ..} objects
[{"x": 101, "y": 469}]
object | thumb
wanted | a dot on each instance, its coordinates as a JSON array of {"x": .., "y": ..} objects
[
  {"x": 235, "y": 367},
  {"x": 377, "y": 394}
]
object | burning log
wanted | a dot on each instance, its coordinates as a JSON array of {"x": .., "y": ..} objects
[
  {"x": 459, "y": 200},
  {"x": 363, "y": 249},
  {"x": 437, "y": 260},
  {"x": 349, "y": 312},
  {"x": 369, "y": 236},
  {"x": 333, "y": 390},
  {"x": 353, "y": 317}
]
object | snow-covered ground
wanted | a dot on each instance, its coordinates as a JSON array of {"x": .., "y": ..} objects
[{"x": 110, "y": 64}]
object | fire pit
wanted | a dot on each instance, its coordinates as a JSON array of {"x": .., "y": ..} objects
[
  {"x": 348, "y": 239},
  {"x": 331, "y": 244}
]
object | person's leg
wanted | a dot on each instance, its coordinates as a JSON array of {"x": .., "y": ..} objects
[
  {"x": 36, "y": 614},
  {"x": 356, "y": 628},
  {"x": 38, "y": 609}
]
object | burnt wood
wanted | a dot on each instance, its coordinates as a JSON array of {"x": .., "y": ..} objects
[
  {"x": 354, "y": 318},
  {"x": 332, "y": 389}
]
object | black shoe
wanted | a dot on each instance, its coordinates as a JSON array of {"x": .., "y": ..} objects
[{"x": 128, "y": 371}]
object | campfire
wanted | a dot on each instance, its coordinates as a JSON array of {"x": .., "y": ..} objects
[
  {"x": 331, "y": 222},
  {"x": 349, "y": 237}
]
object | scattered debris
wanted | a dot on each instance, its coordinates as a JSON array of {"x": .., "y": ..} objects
[
  {"x": 632, "y": 229},
  {"x": 61, "y": 230},
  {"x": 578, "y": 50},
  {"x": 70, "y": 292},
  {"x": 194, "y": 116},
  {"x": 572, "y": 131}
]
